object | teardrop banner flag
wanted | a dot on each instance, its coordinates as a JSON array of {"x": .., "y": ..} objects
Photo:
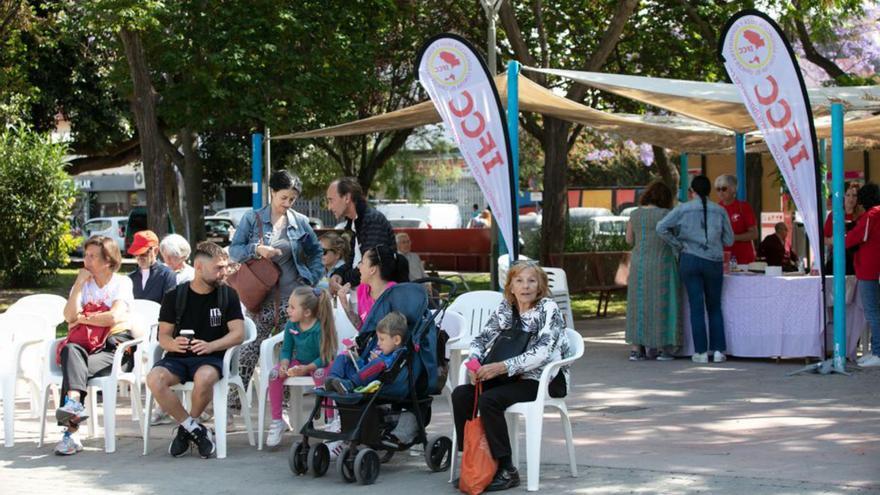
[
  {"x": 762, "y": 65},
  {"x": 464, "y": 93}
]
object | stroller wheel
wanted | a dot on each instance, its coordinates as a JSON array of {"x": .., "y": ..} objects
[
  {"x": 387, "y": 456},
  {"x": 366, "y": 466},
  {"x": 438, "y": 453},
  {"x": 297, "y": 458},
  {"x": 319, "y": 460},
  {"x": 345, "y": 465}
]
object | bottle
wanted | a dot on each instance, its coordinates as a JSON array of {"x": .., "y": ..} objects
[{"x": 733, "y": 264}]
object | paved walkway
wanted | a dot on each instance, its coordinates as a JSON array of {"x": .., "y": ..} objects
[{"x": 646, "y": 427}]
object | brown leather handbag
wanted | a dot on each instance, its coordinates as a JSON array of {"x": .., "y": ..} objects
[{"x": 255, "y": 278}]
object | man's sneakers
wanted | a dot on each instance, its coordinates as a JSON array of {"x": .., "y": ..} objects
[
  {"x": 869, "y": 361},
  {"x": 71, "y": 413},
  {"x": 276, "y": 429},
  {"x": 202, "y": 437},
  {"x": 68, "y": 445},
  {"x": 180, "y": 443},
  {"x": 204, "y": 440},
  {"x": 719, "y": 357}
]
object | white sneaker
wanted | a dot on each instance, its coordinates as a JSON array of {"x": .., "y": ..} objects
[
  {"x": 719, "y": 357},
  {"x": 700, "y": 357},
  {"x": 68, "y": 445},
  {"x": 276, "y": 429},
  {"x": 871, "y": 362},
  {"x": 159, "y": 417},
  {"x": 864, "y": 358},
  {"x": 71, "y": 412}
]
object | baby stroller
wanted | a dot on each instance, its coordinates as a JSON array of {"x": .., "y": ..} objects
[{"x": 406, "y": 386}]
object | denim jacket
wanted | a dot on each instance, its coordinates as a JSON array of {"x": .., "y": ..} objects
[
  {"x": 304, "y": 245},
  {"x": 683, "y": 229}
]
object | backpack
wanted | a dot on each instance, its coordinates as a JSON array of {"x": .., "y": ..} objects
[{"x": 180, "y": 302}]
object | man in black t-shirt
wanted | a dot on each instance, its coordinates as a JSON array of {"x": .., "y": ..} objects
[{"x": 211, "y": 310}]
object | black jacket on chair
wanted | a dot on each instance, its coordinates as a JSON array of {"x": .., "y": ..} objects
[{"x": 161, "y": 280}]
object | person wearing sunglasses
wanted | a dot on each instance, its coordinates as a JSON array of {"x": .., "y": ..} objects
[
  {"x": 742, "y": 220},
  {"x": 334, "y": 253}
]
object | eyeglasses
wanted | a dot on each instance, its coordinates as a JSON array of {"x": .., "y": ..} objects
[{"x": 721, "y": 189}]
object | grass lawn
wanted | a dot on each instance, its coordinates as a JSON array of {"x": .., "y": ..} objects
[
  {"x": 60, "y": 284},
  {"x": 582, "y": 305}
]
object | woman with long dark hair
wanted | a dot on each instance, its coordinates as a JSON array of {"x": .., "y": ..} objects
[
  {"x": 289, "y": 241},
  {"x": 699, "y": 230},
  {"x": 865, "y": 236}
]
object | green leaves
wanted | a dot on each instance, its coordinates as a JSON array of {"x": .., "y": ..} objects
[{"x": 37, "y": 196}]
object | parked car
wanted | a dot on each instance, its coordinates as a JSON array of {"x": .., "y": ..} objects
[
  {"x": 112, "y": 227},
  {"x": 609, "y": 225},
  {"x": 626, "y": 212},
  {"x": 233, "y": 214},
  {"x": 582, "y": 215},
  {"x": 436, "y": 215},
  {"x": 219, "y": 230}
]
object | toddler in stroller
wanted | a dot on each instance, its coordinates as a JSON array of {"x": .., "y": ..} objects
[{"x": 407, "y": 376}]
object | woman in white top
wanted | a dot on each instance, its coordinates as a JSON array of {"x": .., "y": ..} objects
[
  {"x": 100, "y": 297},
  {"x": 175, "y": 252}
]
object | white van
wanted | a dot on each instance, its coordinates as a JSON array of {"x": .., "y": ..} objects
[{"x": 436, "y": 215}]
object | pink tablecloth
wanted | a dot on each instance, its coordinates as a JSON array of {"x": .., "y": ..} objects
[{"x": 773, "y": 316}]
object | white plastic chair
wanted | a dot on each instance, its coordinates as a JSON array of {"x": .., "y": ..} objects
[
  {"x": 453, "y": 323},
  {"x": 559, "y": 293},
  {"x": 476, "y": 307},
  {"x": 504, "y": 267},
  {"x": 145, "y": 326},
  {"x": 297, "y": 384},
  {"x": 107, "y": 384},
  {"x": 20, "y": 332},
  {"x": 533, "y": 413},
  {"x": 51, "y": 308},
  {"x": 230, "y": 377}
]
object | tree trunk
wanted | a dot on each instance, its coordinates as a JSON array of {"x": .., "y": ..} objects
[
  {"x": 555, "y": 197},
  {"x": 173, "y": 191},
  {"x": 143, "y": 105},
  {"x": 192, "y": 181},
  {"x": 668, "y": 173}
]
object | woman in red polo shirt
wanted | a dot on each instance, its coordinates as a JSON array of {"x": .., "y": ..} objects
[
  {"x": 866, "y": 237},
  {"x": 742, "y": 219},
  {"x": 852, "y": 210}
]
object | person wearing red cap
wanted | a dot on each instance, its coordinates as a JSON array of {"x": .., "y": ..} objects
[{"x": 151, "y": 279}]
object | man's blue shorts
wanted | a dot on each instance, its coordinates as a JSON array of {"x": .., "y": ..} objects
[{"x": 185, "y": 367}]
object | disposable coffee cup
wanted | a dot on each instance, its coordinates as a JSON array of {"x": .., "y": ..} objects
[{"x": 189, "y": 334}]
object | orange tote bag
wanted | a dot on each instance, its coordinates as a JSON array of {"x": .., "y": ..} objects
[{"x": 477, "y": 464}]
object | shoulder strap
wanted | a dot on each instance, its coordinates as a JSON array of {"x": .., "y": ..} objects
[
  {"x": 180, "y": 303},
  {"x": 222, "y": 298}
]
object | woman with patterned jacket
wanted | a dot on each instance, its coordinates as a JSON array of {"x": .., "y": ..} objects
[{"x": 526, "y": 306}]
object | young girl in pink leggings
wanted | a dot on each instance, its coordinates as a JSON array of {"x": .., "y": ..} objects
[{"x": 309, "y": 347}]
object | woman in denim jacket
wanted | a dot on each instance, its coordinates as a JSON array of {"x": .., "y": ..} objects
[
  {"x": 289, "y": 241},
  {"x": 698, "y": 230}
]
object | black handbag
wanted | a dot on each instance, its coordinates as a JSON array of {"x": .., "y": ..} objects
[{"x": 510, "y": 342}]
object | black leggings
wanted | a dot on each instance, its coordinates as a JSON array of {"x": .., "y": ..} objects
[{"x": 496, "y": 398}]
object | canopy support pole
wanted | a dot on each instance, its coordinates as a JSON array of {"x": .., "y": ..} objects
[
  {"x": 257, "y": 170},
  {"x": 683, "y": 176},
  {"x": 741, "y": 166},
  {"x": 839, "y": 251}
]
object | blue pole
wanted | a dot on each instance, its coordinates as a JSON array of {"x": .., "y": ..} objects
[
  {"x": 257, "y": 170},
  {"x": 839, "y": 251},
  {"x": 683, "y": 178},
  {"x": 513, "y": 130},
  {"x": 741, "y": 166}
]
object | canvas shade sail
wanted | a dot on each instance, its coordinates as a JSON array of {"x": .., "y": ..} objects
[
  {"x": 673, "y": 133},
  {"x": 719, "y": 104}
]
